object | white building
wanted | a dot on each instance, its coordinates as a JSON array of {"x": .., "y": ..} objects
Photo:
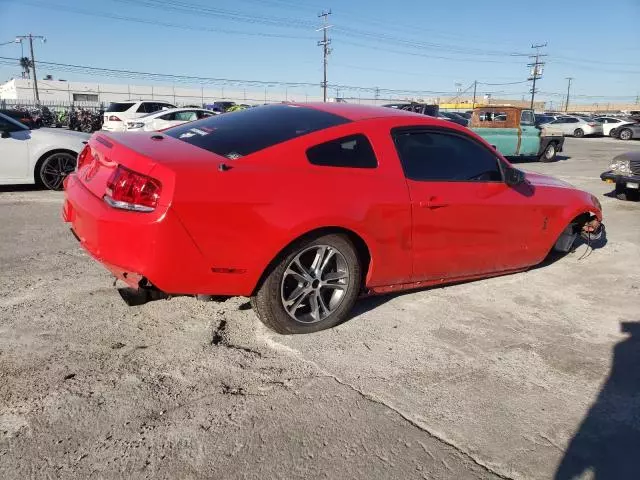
[{"x": 63, "y": 92}]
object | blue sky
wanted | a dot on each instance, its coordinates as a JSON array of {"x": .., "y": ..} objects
[{"x": 402, "y": 45}]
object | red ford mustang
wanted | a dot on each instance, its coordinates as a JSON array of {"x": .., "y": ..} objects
[{"x": 305, "y": 207}]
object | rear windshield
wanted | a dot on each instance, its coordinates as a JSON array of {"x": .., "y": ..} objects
[
  {"x": 119, "y": 107},
  {"x": 241, "y": 133}
]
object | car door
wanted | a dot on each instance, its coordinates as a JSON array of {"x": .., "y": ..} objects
[
  {"x": 466, "y": 220},
  {"x": 163, "y": 121},
  {"x": 609, "y": 124},
  {"x": 14, "y": 152},
  {"x": 561, "y": 124},
  {"x": 572, "y": 124},
  {"x": 492, "y": 125},
  {"x": 530, "y": 134}
]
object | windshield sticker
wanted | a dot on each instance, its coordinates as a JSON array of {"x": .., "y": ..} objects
[
  {"x": 233, "y": 155},
  {"x": 187, "y": 135}
]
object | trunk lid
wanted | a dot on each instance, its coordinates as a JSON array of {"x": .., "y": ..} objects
[{"x": 152, "y": 154}]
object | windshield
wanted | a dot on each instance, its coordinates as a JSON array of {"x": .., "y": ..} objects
[
  {"x": 119, "y": 106},
  {"x": 241, "y": 133},
  {"x": 8, "y": 119}
]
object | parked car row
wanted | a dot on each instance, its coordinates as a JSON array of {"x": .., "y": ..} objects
[
  {"x": 562, "y": 123},
  {"x": 617, "y": 126}
]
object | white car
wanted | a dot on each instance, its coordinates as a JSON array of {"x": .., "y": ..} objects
[
  {"x": 153, "y": 122},
  {"x": 609, "y": 123},
  {"x": 118, "y": 113},
  {"x": 575, "y": 126},
  {"x": 44, "y": 156}
]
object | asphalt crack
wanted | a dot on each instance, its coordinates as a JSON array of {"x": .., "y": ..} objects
[
  {"x": 408, "y": 419},
  {"x": 220, "y": 337},
  {"x": 323, "y": 373}
]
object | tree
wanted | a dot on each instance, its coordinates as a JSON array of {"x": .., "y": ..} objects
[{"x": 26, "y": 64}]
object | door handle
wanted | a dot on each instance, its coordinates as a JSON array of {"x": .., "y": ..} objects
[{"x": 433, "y": 202}]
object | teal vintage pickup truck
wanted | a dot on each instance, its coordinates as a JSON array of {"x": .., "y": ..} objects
[{"x": 512, "y": 131}]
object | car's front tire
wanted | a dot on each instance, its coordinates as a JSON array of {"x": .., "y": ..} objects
[
  {"x": 311, "y": 287},
  {"x": 53, "y": 169}
]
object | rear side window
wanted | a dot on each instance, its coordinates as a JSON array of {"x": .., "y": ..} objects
[
  {"x": 242, "y": 133},
  {"x": 119, "y": 106},
  {"x": 445, "y": 157},
  {"x": 353, "y": 151},
  {"x": 186, "y": 116}
]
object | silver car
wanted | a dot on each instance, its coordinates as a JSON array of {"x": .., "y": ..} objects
[{"x": 576, "y": 126}]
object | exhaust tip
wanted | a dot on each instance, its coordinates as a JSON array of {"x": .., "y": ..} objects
[{"x": 135, "y": 297}]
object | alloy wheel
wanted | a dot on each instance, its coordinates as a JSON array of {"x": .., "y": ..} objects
[
  {"x": 625, "y": 134},
  {"x": 55, "y": 169},
  {"x": 314, "y": 283}
]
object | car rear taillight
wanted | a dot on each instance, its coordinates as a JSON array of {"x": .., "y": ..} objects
[
  {"x": 592, "y": 124},
  {"x": 113, "y": 118},
  {"x": 83, "y": 157},
  {"x": 131, "y": 190}
]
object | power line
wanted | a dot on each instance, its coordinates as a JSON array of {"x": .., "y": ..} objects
[
  {"x": 184, "y": 26},
  {"x": 500, "y": 84},
  {"x": 188, "y": 79},
  {"x": 231, "y": 15},
  {"x": 324, "y": 43},
  {"x": 237, "y": 16},
  {"x": 425, "y": 55}
]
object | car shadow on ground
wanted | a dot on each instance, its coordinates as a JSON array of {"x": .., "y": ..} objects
[
  {"x": 608, "y": 440},
  {"x": 19, "y": 188},
  {"x": 627, "y": 198},
  {"x": 519, "y": 160}
]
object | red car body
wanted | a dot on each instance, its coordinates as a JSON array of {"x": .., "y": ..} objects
[{"x": 220, "y": 222}]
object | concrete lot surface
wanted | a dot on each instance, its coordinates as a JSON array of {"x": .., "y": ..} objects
[{"x": 527, "y": 376}]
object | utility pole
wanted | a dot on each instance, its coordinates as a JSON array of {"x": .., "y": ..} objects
[
  {"x": 475, "y": 87},
  {"x": 324, "y": 43},
  {"x": 536, "y": 69},
  {"x": 566, "y": 105},
  {"x": 20, "y": 38}
]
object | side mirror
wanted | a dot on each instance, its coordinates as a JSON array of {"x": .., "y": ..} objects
[
  {"x": 5, "y": 134},
  {"x": 514, "y": 177}
]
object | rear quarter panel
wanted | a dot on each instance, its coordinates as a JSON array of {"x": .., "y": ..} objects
[{"x": 243, "y": 217}]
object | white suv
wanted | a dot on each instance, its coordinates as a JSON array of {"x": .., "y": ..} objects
[{"x": 116, "y": 115}]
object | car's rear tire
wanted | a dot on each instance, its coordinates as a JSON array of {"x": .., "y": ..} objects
[
  {"x": 612, "y": 133},
  {"x": 549, "y": 153},
  {"x": 311, "y": 287},
  {"x": 52, "y": 169},
  {"x": 625, "y": 134},
  {"x": 578, "y": 133}
]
